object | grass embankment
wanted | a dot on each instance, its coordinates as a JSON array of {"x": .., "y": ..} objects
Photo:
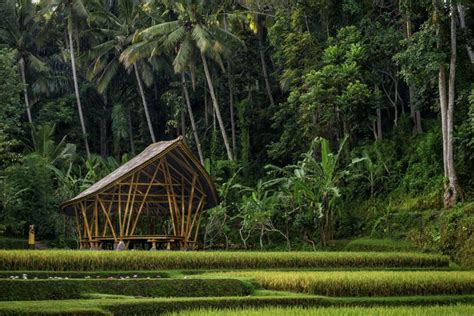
[
  {"x": 371, "y": 244},
  {"x": 17, "y": 290},
  {"x": 70, "y": 260},
  {"x": 160, "y": 306},
  {"x": 336, "y": 311},
  {"x": 362, "y": 283}
]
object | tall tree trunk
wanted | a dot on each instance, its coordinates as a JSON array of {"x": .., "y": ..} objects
[
  {"x": 216, "y": 107},
  {"x": 145, "y": 105},
  {"x": 450, "y": 194},
  {"x": 414, "y": 113},
  {"x": 183, "y": 123},
  {"x": 379, "y": 123},
  {"x": 462, "y": 21},
  {"x": 261, "y": 50},
  {"x": 231, "y": 102},
  {"x": 76, "y": 90},
  {"x": 232, "y": 116},
  {"x": 130, "y": 131},
  {"x": 27, "y": 100},
  {"x": 206, "y": 108},
  {"x": 443, "y": 104},
  {"x": 191, "y": 118},
  {"x": 103, "y": 127}
]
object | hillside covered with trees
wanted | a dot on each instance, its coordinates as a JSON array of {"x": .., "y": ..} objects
[{"x": 321, "y": 121}]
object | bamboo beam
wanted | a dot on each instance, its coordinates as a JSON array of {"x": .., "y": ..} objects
[
  {"x": 78, "y": 226},
  {"x": 120, "y": 209},
  {"x": 111, "y": 202},
  {"x": 186, "y": 178},
  {"x": 190, "y": 206},
  {"x": 199, "y": 212},
  {"x": 124, "y": 218},
  {"x": 158, "y": 184},
  {"x": 182, "y": 205},
  {"x": 132, "y": 206},
  {"x": 107, "y": 218},
  {"x": 143, "y": 202},
  {"x": 170, "y": 203},
  {"x": 185, "y": 164},
  {"x": 96, "y": 218},
  {"x": 195, "y": 216},
  {"x": 173, "y": 196},
  {"x": 86, "y": 222}
]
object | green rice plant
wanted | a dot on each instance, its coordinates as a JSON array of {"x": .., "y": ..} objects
[
  {"x": 363, "y": 283},
  {"x": 73, "y": 260},
  {"x": 335, "y": 311},
  {"x": 160, "y": 306}
]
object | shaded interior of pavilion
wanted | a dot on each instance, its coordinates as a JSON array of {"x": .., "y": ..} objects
[{"x": 154, "y": 201}]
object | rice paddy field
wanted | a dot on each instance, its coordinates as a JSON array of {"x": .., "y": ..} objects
[{"x": 232, "y": 283}]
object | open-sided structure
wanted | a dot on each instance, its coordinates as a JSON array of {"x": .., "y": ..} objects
[{"x": 157, "y": 197}]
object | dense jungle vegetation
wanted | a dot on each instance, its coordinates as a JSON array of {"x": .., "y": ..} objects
[{"x": 321, "y": 121}]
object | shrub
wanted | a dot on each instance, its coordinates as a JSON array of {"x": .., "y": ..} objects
[
  {"x": 368, "y": 244},
  {"x": 71, "y": 260},
  {"x": 13, "y": 243},
  {"x": 74, "y": 289}
]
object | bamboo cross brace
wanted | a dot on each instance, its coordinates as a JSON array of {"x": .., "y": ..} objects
[
  {"x": 144, "y": 199},
  {"x": 108, "y": 219},
  {"x": 132, "y": 205},
  {"x": 120, "y": 209},
  {"x": 170, "y": 203},
  {"x": 108, "y": 212},
  {"x": 182, "y": 205},
  {"x": 190, "y": 206},
  {"x": 199, "y": 213},
  {"x": 173, "y": 196},
  {"x": 96, "y": 218},
  {"x": 184, "y": 163},
  {"x": 195, "y": 216},
  {"x": 185, "y": 178},
  {"x": 86, "y": 222},
  {"x": 77, "y": 222},
  {"x": 124, "y": 219}
]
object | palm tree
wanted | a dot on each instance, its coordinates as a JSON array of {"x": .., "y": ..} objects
[
  {"x": 17, "y": 30},
  {"x": 74, "y": 10},
  {"x": 118, "y": 26},
  {"x": 194, "y": 28}
]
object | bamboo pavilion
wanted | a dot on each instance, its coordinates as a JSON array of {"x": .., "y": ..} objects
[{"x": 156, "y": 198}]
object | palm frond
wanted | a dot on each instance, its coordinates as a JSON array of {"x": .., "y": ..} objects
[
  {"x": 159, "y": 29},
  {"x": 108, "y": 74},
  {"x": 138, "y": 51},
  {"x": 202, "y": 38},
  {"x": 174, "y": 37},
  {"x": 184, "y": 55}
]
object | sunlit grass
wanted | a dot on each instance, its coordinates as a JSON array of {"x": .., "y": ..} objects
[{"x": 73, "y": 260}]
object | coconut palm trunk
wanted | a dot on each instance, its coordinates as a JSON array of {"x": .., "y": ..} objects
[
  {"x": 262, "y": 59},
  {"x": 414, "y": 113},
  {"x": 216, "y": 107},
  {"x": 462, "y": 24},
  {"x": 191, "y": 118},
  {"x": 451, "y": 193},
  {"x": 145, "y": 105},
  {"x": 27, "y": 100},
  {"x": 76, "y": 90}
]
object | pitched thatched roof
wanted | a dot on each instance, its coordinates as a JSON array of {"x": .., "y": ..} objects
[{"x": 144, "y": 160}]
